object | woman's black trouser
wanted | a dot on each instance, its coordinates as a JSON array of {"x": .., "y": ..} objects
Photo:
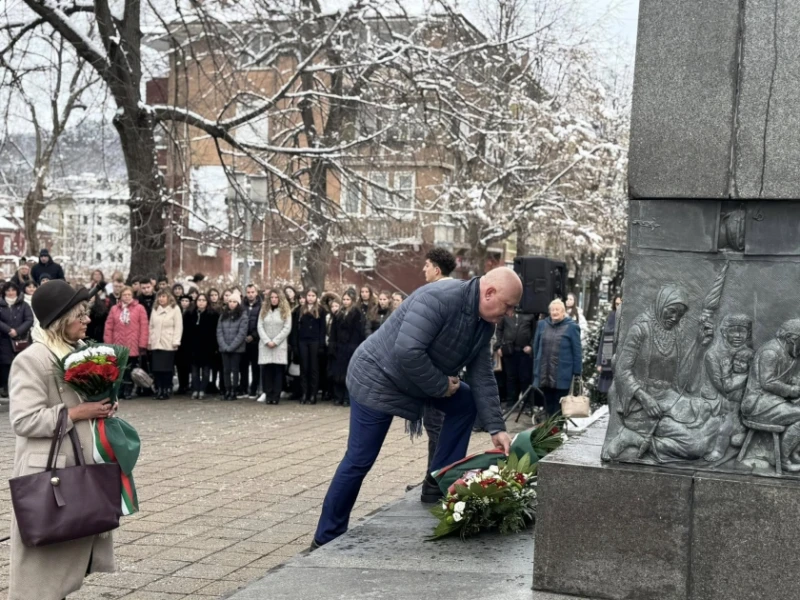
[
  {"x": 127, "y": 382},
  {"x": 5, "y": 370},
  {"x": 200, "y": 377},
  {"x": 309, "y": 369},
  {"x": 272, "y": 381},
  {"x": 163, "y": 381},
  {"x": 230, "y": 369},
  {"x": 552, "y": 399}
]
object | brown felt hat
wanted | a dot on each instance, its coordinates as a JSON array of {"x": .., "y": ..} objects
[{"x": 54, "y": 300}]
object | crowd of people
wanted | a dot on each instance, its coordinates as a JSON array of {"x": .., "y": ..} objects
[{"x": 268, "y": 345}]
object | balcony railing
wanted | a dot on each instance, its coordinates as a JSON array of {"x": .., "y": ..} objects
[{"x": 383, "y": 230}]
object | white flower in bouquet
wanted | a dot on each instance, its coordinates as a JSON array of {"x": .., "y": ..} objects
[
  {"x": 444, "y": 505},
  {"x": 457, "y": 517},
  {"x": 459, "y": 507}
]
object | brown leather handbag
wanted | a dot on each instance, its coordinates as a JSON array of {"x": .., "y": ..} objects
[{"x": 61, "y": 505}]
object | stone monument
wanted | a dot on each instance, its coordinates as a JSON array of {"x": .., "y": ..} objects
[{"x": 697, "y": 480}]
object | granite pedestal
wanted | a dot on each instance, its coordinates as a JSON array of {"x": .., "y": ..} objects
[{"x": 628, "y": 532}]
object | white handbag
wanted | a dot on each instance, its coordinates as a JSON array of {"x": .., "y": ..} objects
[
  {"x": 294, "y": 370},
  {"x": 576, "y": 407}
]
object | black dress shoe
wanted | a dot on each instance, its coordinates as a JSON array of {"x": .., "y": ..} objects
[
  {"x": 431, "y": 494},
  {"x": 315, "y": 545}
]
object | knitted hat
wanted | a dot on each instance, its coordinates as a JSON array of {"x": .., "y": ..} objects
[
  {"x": 236, "y": 295},
  {"x": 54, "y": 300}
]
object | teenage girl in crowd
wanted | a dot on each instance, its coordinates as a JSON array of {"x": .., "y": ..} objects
[
  {"x": 309, "y": 342},
  {"x": 274, "y": 327},
  {"x": 347, "y": 333}
]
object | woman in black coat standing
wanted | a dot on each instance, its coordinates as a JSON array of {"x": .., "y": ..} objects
[
  {"x": 16, "y": 320},
  {"x": 200, "y": 339},
  {"x": 378, "y": 313},
  {"x": 347, "y": 333},
  {"x": 309, "y": 342}
]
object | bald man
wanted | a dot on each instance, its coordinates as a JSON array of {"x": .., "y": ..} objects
[{"x": 414, "y": 357}]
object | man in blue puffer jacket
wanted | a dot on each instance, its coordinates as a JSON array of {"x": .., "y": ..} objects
[{"x": 416, "y": 356}]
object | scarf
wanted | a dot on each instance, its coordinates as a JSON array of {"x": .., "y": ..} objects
[
  {"x": 125, "y": 315},
  {"x": 116, "y": 441}
]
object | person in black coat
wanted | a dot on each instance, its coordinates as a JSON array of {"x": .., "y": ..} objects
[
  {"x": 347, "y": 333},
  {"x": 514, "y": 343},
  {"x": 98, "y": 313},
  {"x": 183, "y": 358},
  {"x": 309, "y": 342},
  {"x": 46, "y": 266},
  {"x": 16, "y": 320},
  {"x": 378, "y": 313},
  {"x": 200, "y": 338},
  {"x": 250, "y": 378}
]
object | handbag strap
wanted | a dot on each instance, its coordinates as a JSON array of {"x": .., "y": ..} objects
[{"x": 61, "y": 431}]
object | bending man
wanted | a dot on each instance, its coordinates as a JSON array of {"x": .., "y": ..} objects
[{"x": 414, "y": 357}]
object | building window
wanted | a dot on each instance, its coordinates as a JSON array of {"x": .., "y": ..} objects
[
  {"x": 378, "y": 194},
  {"x": 85, "y": 220},
  {"x": 99, "y": 237},
  {"x": 404, "y": 190},
  {"x": 98, "y": 257},
  {"x": 6, "y": 245},
  {"x": 351, "y": 198},
  {"x": 298, "y": 263}
]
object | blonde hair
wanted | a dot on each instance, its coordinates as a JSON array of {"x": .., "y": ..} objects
[
  {"x": 283, "y": 304},
  {"x": 55, "y": 336},
  {"x": 557, "y": 302},
  {"x": 170, "y": 298}
]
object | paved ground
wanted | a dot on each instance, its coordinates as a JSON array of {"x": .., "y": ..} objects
[{"x": 228, "y": 491}]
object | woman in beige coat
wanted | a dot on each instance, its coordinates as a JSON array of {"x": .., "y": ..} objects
[
  {"x": 166, "y": 330},
  {"x": 37, "y": 396}
]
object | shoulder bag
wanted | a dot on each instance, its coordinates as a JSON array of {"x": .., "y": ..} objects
[
  {"x": 576, "y": 406},
  {"x": 60, "y": 505},
  {"x": 20, "y": 344}
]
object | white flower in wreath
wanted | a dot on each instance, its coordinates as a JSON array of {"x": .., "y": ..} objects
[
  {"x": 457, "y": 517},
  {"x": 459, "y": 507},
  {"x": 494, "y": 469}
]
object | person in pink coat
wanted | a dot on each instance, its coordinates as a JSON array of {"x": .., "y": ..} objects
[{"x": 127, "y": 326}]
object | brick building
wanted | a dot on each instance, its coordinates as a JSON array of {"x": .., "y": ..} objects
[{"x": 221, "y": 224}]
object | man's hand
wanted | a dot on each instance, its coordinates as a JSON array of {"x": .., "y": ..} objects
[
  {"x": 248, "y": 339},
  {"x": 502, "y": 442},
  {"x": 649, "y": 404},
  {"x": 453, "y": 384},
  {"x": 500, "y": 352},
  {"x": 527, "y": 349}
]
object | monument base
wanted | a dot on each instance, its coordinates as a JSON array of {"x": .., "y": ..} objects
[{"x": 625, "y": 532}]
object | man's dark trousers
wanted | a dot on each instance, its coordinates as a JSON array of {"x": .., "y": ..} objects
[
  {"x": 250, "y": 372},
  {"x": 519, "y": 375},
  {"x": 368, "y": 429}
]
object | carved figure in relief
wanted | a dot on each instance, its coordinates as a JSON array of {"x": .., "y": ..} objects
[
  {"x": 659, "y": 415},
  {"x": 773, "y": 390},
  {"x": 726, "y": 379},
  {"x": 731, "y": 234}
]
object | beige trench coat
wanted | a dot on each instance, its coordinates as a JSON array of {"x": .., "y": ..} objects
[
  {"x": 47, "y": 572},
  {"x": 166, "y": 328}
]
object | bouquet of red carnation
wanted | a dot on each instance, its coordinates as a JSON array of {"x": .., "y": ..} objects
[{"x": 95, "y": 371}]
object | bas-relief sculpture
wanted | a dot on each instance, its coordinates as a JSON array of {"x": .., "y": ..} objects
[{"x": 692, "y": 388}]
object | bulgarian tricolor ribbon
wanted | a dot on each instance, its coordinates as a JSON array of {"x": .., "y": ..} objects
[{"x": 116, "y": 441}]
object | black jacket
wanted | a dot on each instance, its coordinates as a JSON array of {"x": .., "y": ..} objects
[
  {"x": 514, "y": 333},
  {"x": 309, "y": 329},
  {"x": 252, "y": 311},
  {"x": 200, "y": 336},
  {"x": 98, "y": 313},
  {"x": 376, "y": 319},
  {"x": 18, "y": 316},
  {"x": 54, "y": 270},
  {"x": 347, "y": 333},
  {"x": 147, "y": 302}
]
